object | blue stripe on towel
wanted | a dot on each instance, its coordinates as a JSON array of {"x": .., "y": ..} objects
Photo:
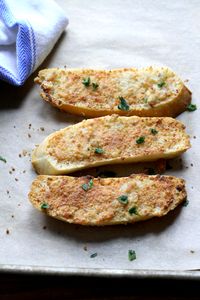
[{"x": 25, "y": 47}]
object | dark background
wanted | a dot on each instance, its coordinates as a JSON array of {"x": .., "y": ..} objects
[{"x": 53, "y": 287}]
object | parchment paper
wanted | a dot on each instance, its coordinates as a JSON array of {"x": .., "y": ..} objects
[{"x": 102, "y": 34}]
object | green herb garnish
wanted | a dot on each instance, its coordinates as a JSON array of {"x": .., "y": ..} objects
[
  {"x": 93, "y": 255},
  {"x": 3, "y": 159},
  {"x": 161, "y": 84},
  {"x": 145, "y": 100},
  {"x": 98, "y": 151},
  {"x": 153, "y": 131},
  {"x": 140, "y": 140},
  {"x": 185, "y": 203},
  {"x": 95, "y": 85},
  {"x": 123, "y": 104},
  {"x": 131, "y": 255},
  {"x": 87, "y": 186},
  {"x": 191, "y": 107},
  {"x": 123, "y": 199},
  {"x": 133, "y": 210},
  {"x": 86, "y": 81},
  {"x": 44, "y": 205}
]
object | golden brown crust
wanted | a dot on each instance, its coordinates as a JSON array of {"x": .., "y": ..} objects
[
  {"x": 64, "y": 89},
  {"x": 74, "y": 148},
  {"x": 147, "y": 197}
]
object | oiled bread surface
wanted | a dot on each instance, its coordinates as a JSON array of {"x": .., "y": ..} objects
[
  {"x": 119, "y": 139},
  {"x": 151, "y": 91},
  {"x": 64, "y": 198}
]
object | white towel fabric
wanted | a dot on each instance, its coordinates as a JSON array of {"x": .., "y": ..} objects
[{"x": 28, "y": 31}]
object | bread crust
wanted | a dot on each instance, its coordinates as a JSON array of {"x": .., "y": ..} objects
[
  {"x": 64, "y": 198},
  {"x": 119, "y": 138},
  {"x": 63, "y": 88}
]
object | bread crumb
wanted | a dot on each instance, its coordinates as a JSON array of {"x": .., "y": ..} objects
[{"x": 24, "y": 152}]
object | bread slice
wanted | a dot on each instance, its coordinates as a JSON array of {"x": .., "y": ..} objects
[
  {"x": 148, "y": 92},
  {"x": 109, "y": 140},
  {"x": 106, "y": 201}
]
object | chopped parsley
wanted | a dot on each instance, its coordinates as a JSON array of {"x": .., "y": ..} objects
[
  {"x": 3, "y": 159},
  {"x": 93, "y": 255},
  {"x": 145, "y": 100},
  {"x": 133, "y": 210},
  {"x": 161, "y": 84},
  {"x": 153, "y": 131},
  {"x": 140, "y": 140},
  {"x": 95, "y": 85},
  {"x": 87, "y": 186},
  {"x": 131, "y": 255},
  {"x": 191, "y": 107},
  {"x": 86, "y": 81},
  {"x": 123, "y": 104},
  {"x": 123, "y": 199},
  {"x": 44, "y": 205},
  {"x": 186, "y": 202},
  {"x": 99, "y": 151}
]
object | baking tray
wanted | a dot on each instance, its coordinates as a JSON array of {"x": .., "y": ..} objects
[{"x": 102, "y": 34}]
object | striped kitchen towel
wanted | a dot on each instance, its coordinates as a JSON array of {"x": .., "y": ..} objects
[{"x": 28, "y": 31}]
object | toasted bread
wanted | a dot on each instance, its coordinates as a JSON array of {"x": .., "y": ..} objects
[
  {"x": 106, "y": 201},
  {"x": 148, "y": 92},
  {"x": 109, "y": 140}
]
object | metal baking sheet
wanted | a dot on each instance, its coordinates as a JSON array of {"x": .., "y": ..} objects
[{"x": 102, "y": 34}]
